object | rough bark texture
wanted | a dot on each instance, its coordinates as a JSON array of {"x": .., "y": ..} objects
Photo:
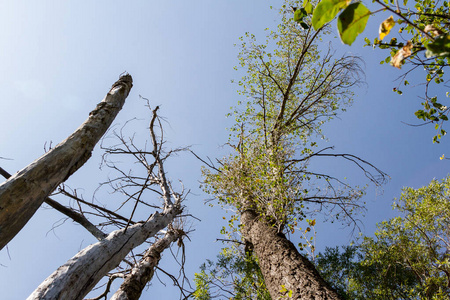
[
  {"x": 283, "y": 267},
  {"x": 23, "y": 193},
  {"x": 142, "y": 273},
  {"x": 79, "y": 218},
  {"x": 76, "y": 278}
]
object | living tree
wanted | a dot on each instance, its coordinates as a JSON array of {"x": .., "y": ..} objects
[
  {"x": 292, "y": 87},
  {"x": 421, "y": 43},
  {"x": 407, "y": 259},
  {"x": 235, "y": 274}
]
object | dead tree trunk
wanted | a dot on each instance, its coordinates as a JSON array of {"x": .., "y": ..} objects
[
  {"x": 23, "y": 193},
  {"x": 287, "y": 274},
  {"x": 143, "y": 271},
  {"x": 80, "y": 274}
]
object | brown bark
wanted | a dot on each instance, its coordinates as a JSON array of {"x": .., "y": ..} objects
[
  {"x": 23, "y": 193},
  {"x": 287, "y": 274}
]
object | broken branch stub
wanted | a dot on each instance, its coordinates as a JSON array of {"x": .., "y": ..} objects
[{"x": 23, "y": 193}]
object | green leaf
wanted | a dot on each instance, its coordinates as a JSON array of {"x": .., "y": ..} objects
[
  {"x": 352, "y": 21},
  {"x": 308, "y": 6},
  {"x": 326, "y": 10},
  {"x": 439, "y": 47},
  {"x": 437, "y": 105},
  {"x": 421, "y": 114},
  {"x": 299, "y": 14}
]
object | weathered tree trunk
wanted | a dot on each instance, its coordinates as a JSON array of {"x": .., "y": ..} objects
[
  {"x": 23, "y": 193},
  {"x": 287, "y": 274},
  {"x": 142, "y": 273},
  {"x": 77, "y": 217},
  {"x": 76, "y": 278}
]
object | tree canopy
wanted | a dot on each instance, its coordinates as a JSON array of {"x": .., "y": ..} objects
[{"x": 407, "y": 259}]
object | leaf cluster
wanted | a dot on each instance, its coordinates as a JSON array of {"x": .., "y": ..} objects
[
  {"x": 290, "y": 89},
  {"x": 423, "y": 40},
  {"x": 235, "y": 275},
  {"x": 407, "y": 259}
]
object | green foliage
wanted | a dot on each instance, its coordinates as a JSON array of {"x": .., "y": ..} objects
[
  {"x": 352, "y": 21},
  {"x": 326, "y": 11},
  {"x": 291, "y": 89},
  {"x": 439, "y": 47},
  {"x": 234, "y": 275},
  {"x": 419, "y": 240},
  {"x": 354, "y": 278},
  {"x": 409, "y": 258},
  {"x": 340, "y": 269},
  {"x": 424, "y": 27}
]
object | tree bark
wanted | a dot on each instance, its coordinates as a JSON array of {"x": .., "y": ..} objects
[
  {"x": 142, "y": 273},
  {"x": 76, "y": 278},
  {"x": 77, "y": 217},
  {"x": 287, "y": 274},
  {"x": 23, "y": 193}
]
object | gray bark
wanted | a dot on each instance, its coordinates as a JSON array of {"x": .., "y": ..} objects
[
  {"x": 283, "y": 267},
  {"x": 23, "y": 193},
  {"x": 80, "y": 274},
  {"x": 142, "y": 273},
  {"x": 79, "y": 218}
]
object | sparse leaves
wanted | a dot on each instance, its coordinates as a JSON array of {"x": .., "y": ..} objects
[
  {"x": 439, "y": 47},
  {"x": 424, "y": 26}
]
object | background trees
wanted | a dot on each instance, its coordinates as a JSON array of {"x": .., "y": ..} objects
[
  {"x": 408, "y": 257},
  {"x": 291, "y": 91},
  {"x": 180, "y": 56}
]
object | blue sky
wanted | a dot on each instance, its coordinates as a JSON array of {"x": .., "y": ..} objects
[{"x": 58, "y": 59}]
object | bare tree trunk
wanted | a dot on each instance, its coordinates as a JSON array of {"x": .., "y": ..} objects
[
  {"x": 287, "y": 274},
  {"x": 80, "y": 274},
  {"x": 142, "y": 273},
  {"x": 23, "y": 193},
  {"x": 77, "y": 217}
]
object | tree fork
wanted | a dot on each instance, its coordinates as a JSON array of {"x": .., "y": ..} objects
[
  {"x": 143, "y": 271},
  {"x": 23, "y": 193}
]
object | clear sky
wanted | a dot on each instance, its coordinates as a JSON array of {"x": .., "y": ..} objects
[{"x": 59, "y": 58}]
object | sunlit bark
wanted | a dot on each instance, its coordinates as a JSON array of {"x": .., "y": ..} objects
[
  {"x": 287, "y": 274},
  {"x": 23, "y": 193},
  {"x": 81, "y": 273},
  {"x": 143, "y": 271}
]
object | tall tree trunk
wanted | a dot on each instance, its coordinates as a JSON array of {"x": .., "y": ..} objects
[
  {"x": 287, "y": 274},
  {"x": 23, "y": 193},
  {"x": 76, "y": 278},
  {"x": 143, "y": 271}
]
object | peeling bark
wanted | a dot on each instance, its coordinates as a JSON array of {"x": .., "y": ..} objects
[
  {"x": 80, "y": 274},
  {"x": 142, "y": 273},
  {"x": 287, "y": 274},
  {"x": 23, "y": 193}
]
